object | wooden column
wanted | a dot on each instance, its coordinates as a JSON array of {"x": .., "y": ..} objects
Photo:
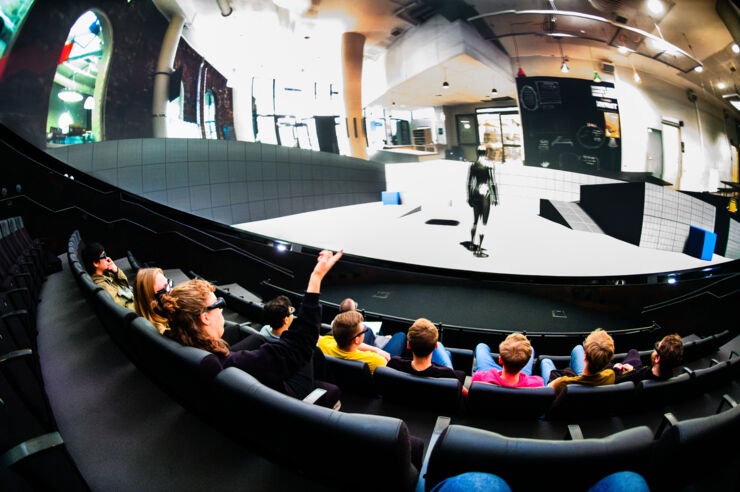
[{"x": 353, "y": 44}]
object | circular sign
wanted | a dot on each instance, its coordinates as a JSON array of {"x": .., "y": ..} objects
[
  {"x": 590, "y": 136},
  {"x": 528, "y": 98}
]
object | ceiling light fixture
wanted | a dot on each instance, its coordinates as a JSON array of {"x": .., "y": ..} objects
[
  {"x": 494, "y": 91},
  {"x": 735, "y": 48},
  {"x": 445, "y": 84},
  {"x": 721, "y": 85},
  {"x": 656, "y": 6},
  {"x": 623, "y": 49},
  {"x": 699, "y": 69},
  {"x": 563, "y": 65},
  {"x": 70, "y": 96},
  {"x": 636, "y": 76}
]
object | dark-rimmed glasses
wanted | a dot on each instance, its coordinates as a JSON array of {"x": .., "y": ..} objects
[
  {"x": 164, "y": 290},
  {"x": 102, "y": 256},
  {"x": 219, "y": 304},
  {"x": 362, "y": 332}
]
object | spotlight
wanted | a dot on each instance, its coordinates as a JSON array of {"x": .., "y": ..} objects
[
  {"x": 494, "y": 91},
  {"x": 672, "y": 280},
  {"x": 699, "y": 69},
  {"x": 735, "y": 48},
  {"x": 655, "y": 6},
  {"x": 281, "y": 247},
  {"x": 564, "y": 67},
  {"x": 636, "y": 77},
  {"x": 445, "y": 85},
  {"x": 721, "y": 85}
]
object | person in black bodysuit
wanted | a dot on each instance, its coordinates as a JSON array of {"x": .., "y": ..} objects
[{"x": 481, "y": 193}]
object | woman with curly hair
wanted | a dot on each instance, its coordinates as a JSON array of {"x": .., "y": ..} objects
[{"x": 196, "y": 319}]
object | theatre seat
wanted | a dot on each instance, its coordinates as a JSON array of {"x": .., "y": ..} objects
[
  {"x": 184, "y": 372},
  {"x": 592, "y": 401},
  {"x": 320, "y": 442},
  {"x": 440, "y": 394},
  {"x": 538, "y": 464},
  {"x": 656, "y": 393},
  {"x": 697, "y": 448},
  {"x": 352, "y": 375},
  {"x": 490, "y": 400},
  {"x": 116, "y": 320}
]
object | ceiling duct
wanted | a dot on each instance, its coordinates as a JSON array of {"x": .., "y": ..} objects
[{"x": 730, "y": 15}]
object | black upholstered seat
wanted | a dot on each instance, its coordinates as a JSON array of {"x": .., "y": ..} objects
[
  {"x": 184, "y": 372},
  {"x": 318, "y": 441},
  {"x": 538, "y": 464},
  {"x": 352, "y": 375},
  {"x": 652, "y": 393},
  {"x": 591, "y": 401},
  {"x": 116, "y": 320},
  {"x": 441, "y": 394},
  {"x": 490, "y": 400}
]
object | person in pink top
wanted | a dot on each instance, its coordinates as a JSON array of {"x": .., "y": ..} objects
[{"x": 514, "y": 368}]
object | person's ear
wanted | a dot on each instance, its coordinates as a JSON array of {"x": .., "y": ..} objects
[
  {"x": 408, "y": 345},
  {"x": 500, "y": 362}
]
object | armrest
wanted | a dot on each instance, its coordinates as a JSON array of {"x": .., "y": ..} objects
[
  {"x": 669, "y": 420},
  {"x": 574, "y": 433},
  {"x": 15, "y": 354},
  {"x": 688, "y": 371},
  {"x": 713, "y": 362},
  {"x": 27, "y": 448},
  {"x": 462, "y": 359},
  {"x": 726, "y": 399},
  {"x": 733, "y": 354},
  {"x": 314, "y": 396},
  {"x": 439, "y": 427}
]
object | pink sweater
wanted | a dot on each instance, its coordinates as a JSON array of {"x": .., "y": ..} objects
[{"x": 494, "y": 377}]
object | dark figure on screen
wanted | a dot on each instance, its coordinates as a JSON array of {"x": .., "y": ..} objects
[{"x": 481, "y": 193}]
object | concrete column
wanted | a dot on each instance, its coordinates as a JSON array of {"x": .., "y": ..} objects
[
  {"x": 353, "y": 44},
  {"x": 162, "y": 75}
]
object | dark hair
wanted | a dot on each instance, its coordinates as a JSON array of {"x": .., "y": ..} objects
[
  {"x": 344, "y": 328},
  {"x": 670, "y": 351},
  {"x": 422, "y": 337},
  {"x": 90, "y": 255},
  {"x": 183, "y": 307},
  {"x": 276, "y": 310}
]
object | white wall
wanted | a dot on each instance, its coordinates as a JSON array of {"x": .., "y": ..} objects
[
  {"x": 242, "y": 100},
  {"x": 706, "y": 158}
]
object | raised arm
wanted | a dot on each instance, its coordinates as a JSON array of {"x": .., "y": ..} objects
[{"x": 326, "y": 261}]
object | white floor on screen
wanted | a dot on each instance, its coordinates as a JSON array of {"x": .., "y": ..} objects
[{"x": 517, "y": 240}]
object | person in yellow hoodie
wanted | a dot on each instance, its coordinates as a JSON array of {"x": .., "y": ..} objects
[{"x": 348, "y": 334}]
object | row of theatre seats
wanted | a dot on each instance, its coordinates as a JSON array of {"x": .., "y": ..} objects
[
  {"x": 487, "y": 400},
  {"x": 332, "y": 445},
  {"x": 32, "y": 452}
]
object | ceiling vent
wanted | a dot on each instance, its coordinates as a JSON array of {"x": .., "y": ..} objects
[{"x": 608, "y": 68}]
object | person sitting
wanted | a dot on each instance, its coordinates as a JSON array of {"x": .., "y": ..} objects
[
  {"x": 105, "y": 273},
  {"x": 196, "y": 319},
  {"x": 348, "y": 333},
  {"x": 279, "y": 313},
  {"x": 373, "y": 343},
  {"x": 588, "y": 363},
  {"x": 667, "y": 355},
  {"x": 514, "y": 368},
  {"x": 149, "y": 285},
  {"x": 423, "y": 341}
]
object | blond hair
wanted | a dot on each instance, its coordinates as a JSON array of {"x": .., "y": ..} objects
[
  {"x": 146, "y": 303},
  {"x": 599, "y": 348}
]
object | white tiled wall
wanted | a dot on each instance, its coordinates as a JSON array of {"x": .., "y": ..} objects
[
  {"x": 229, "y": 181},
  {"x": 667, "y": 216}
]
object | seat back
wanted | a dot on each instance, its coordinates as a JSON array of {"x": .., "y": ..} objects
[
  {"x": 591, "y": 401},
  {"x": 318, "y": 441},
  {"x": 490, "y": 400},
  {"x": 352, "y": 375},
  {"x": 655, "y": 393},
  {"x": 440, "y": 394},
  {"x": 697, "y": 447},
  {"x": 711, "y": 377},
  {"x": 535, "y": 464},
  {"x": 116, "y": 320},
  {"x": 184, "y": 372}
]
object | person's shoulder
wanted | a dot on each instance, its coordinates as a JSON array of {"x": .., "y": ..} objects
[{"x": 399, "y": 363}]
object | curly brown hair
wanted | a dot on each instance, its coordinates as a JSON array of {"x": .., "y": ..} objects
[{"x": 183, "y": 307}]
